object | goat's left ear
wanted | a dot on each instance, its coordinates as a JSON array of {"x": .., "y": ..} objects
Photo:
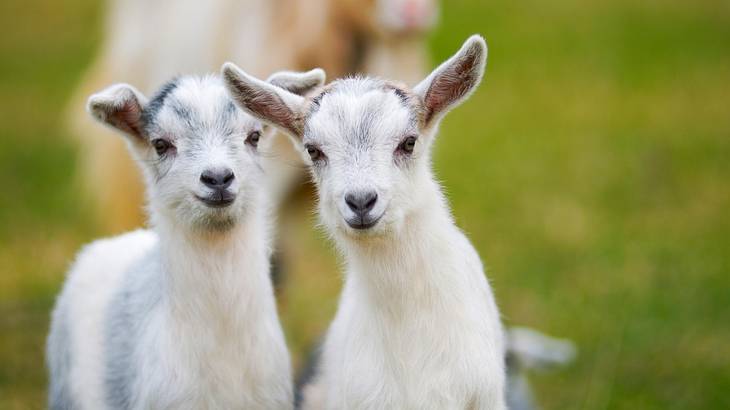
[
  {"x": 120, "y": 106},
  {"x": 298, "y": 83},
  {"x": 454, "y": 80}
]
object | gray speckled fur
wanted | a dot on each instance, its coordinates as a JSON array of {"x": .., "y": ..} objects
[
  {"x": 130, "y": 305},
  {"x": 127, "y": 311}
]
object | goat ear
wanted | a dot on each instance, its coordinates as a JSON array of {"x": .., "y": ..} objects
[
  {"x": 454, "y": 80},
  {"x": 269, "y": 103},
  {"x": 298, "y": 83},
  {"x": 120, "y": 106}
]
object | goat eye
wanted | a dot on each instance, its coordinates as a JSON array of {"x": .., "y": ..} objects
[
  {"x": 314, "y": 153},
  {"x": 253, "y": 138},
  {"x": 161, "y": 146},
  {"x": 408, "y": 145}
]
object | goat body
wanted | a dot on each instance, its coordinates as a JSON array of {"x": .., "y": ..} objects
[
  {"x": 164, "y": 320},
  {"x": 183, "y": 315},
  {"x": 417, "y": 326}
]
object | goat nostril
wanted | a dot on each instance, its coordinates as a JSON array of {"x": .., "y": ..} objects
[
  {"x": 227, "y": 179},
  {"x": 361, "y": 202},
  {"x": 350, "y": 201},
  {"x": 207, "y": 179},
  {"x": 217, "y": 179},
  {"x": 371, "y": 201}
]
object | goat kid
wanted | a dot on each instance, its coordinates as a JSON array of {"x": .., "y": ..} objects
[
  {"x": 183, "y": 315},
  {"x": 417, "y": 325}
]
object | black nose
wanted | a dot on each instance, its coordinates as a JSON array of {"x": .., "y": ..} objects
[
  {"x": 217, "y": 179},
  {"x": 361, "y": 202}
]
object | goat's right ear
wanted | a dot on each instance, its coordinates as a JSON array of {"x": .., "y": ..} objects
[
  {"x": 298, "y": 83},
  {"x": 267, "y": 102},
  {"x": 120, "y": 106},
  {"x": 454, "y": 80}
]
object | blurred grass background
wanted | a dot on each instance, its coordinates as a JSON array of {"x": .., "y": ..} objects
[{"x": 591, "y": 170}]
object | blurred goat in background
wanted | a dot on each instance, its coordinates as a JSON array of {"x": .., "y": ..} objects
[{"x": 146, "y": 43}]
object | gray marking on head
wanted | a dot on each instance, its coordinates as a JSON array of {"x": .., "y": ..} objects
[
  {"x": 409, "y": 100},
  {"x": 158, "y": 101},
  {"x": 230, "y": 109},
  {"x": 184, "y": 113},
  {"x": 401, "y": 94},
  {"x": 318, "y": 99}
]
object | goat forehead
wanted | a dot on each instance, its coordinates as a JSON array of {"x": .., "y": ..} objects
[
  {"x": 360, "y": 116},
  {"x": 199, "y": 108},
  {"x": 205, "y": 97}
]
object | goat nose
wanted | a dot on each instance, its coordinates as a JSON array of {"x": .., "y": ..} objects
[
  {"x": 217, "y": 179},
  {"x": 361, "y": 202}
]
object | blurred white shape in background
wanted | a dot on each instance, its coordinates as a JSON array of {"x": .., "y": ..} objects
[
  {"x": 148, "y": 42},
  {"x": 528, "y": 349}
]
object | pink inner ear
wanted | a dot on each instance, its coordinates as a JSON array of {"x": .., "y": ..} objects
[
  {"x": 131, "y": 115},
  {"x": 127, "y": 118},
  {"x": 451, "y": 84}
]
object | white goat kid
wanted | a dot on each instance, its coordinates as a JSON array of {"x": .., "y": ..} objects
[
  {"x": 417, "y": 326},
  {"x": 181, "y": 316}
]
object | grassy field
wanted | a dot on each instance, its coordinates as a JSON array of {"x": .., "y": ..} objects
[{"x": 591, "y": 170}]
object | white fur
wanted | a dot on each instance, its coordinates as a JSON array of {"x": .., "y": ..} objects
[{"x": 417, "y": 326}]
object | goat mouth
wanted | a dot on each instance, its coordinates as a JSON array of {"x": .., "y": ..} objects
[
  {"x": 219, "y": 199},
  {"x": 362, "y": 223}
]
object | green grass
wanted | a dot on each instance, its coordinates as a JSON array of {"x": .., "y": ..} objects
[{"x": 590, "y": 170}]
